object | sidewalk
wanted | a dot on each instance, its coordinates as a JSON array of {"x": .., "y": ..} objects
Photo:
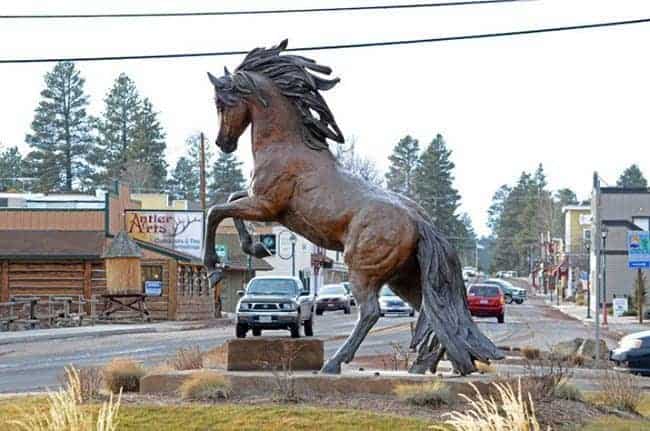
[
  {"x": 105, "y": 330},
  {"x": 622, "y": 325}
]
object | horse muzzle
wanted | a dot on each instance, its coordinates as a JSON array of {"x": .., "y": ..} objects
[{"x": 226, "y": 145}]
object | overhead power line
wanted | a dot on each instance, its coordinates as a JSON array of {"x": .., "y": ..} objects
[
  {"x": 341, "y": 46},
  {"x": 260, "y": 12}
]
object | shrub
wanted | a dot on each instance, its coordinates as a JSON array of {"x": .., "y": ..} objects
[
  {"x": 567, "y": 391},
  {"x": 577, "y": 360},
  {"x": 206, "y": 385},
  {"x": 123, "y": 374},
  {"x": 484, "y": 368},
  {"x": 187, "y": 359},
  {"x": 64, "y": 411},
  {"x": 435, "y": 393},
  {"x": 511, "y": 412},
  {"x": 531, "y": 353},
  {"x": 619, "y": 391},
  {"x": 90, "y": 381}
]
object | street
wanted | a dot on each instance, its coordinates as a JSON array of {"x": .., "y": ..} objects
[{"x": 33, "y": 366}]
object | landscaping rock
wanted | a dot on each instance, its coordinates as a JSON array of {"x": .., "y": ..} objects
[
  {"x": 567, "y": 348},
  {"x": 588, "y": 349}
]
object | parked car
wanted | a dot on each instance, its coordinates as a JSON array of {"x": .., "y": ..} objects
[
  {"x": 333, "y": 297},
  {"x": 486, "y": 300},
  {"x": 348, "y": 287},
  {"x": 274, "y": 302},
  {"x": 511, "y": 292},
  {"x": 390, "y": 303},
  {"x": 633, "y": 353}
]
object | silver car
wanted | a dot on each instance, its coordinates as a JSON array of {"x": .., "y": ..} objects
[{"x": 390, "y": 303}]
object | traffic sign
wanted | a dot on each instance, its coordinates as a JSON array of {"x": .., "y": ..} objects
[{"x": 638, "y": 249}]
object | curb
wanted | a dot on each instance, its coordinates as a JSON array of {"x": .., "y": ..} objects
[{"x": 31, "y": 338}]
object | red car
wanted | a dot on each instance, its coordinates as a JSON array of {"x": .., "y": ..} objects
[{"x": 486, "y": 300}]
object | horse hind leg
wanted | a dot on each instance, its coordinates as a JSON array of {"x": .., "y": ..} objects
[
  {"x": 368, "y": 300},
  {"x": 256, "y": 249}
]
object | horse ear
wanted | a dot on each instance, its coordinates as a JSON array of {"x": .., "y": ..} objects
[
  {"x": 226, "y": 71},
  {"x": 283, "y": 45},
  {"x": 213, "y": 80}
]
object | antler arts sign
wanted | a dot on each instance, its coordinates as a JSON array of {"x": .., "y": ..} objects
[{"x": 177, "y": 230}]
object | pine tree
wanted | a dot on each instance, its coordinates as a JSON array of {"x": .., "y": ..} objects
[
  {"x": 562, "y": 198},
  {"x": 184, "y": 181},
  {"x": 61, "y": 132},
  {"x": 148, "y": 147},
  {"x": 226, "y": 177},
  {"x": 434, "y": 189},
  {"x": 404, "y": 160},
  {"x": 117, "y": 130},
  {"x": 632, "y": 177},
  {"x": 11, "y": 169}
]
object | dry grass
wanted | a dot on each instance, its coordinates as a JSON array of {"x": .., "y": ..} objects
[
  {"x": 122, "y": 374},
  {"x": 484, "y": 368},
  {"x": 434, "y": 394},
  {"x": 90, "y": 379},
  {"x": 206, "y": 385},
  {"x": 65, "y": 413},
  {"x": 400, "y": 358},
  {"x": 187, "y": 359},
  {"x": 577, "y": 360},
  {"x": 511, "y": 412},
  {"x": 619, "y": 391},
  {"x": 531, "y": 353},
  {"x": 541, "y": 377}
]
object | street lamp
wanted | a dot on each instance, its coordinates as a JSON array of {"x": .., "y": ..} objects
[
  {"x": 293, "y": 239},
  {"x": 603, "y": 232}
]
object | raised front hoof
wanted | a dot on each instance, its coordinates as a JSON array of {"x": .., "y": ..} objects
[
  {"x": 331, "y": 368},
  {"x": 215, "y": 277}
]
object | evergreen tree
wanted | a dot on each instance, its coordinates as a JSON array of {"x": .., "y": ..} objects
[
  {"x": 117, "y": 130},
  {"x": 498, "y": 204},
  {"x": 434, "y": 189},
  {"x": 226, "y": 177},
  {"x": 632, "y": 177},
  {"x": 11, "y": 169},
  {"x": 562, "y": 198},
  {"x": 404, "y": 160},
  {"x": 61, "y": 132},
  {"x": 184, "y": 181},
  {"x": 148, "y": 147}
]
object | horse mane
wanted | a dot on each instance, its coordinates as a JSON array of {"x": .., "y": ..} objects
[{"x": 293, "y": 76}]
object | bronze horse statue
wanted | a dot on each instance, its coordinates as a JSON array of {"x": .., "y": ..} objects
[{"x": 385, "y": 237}]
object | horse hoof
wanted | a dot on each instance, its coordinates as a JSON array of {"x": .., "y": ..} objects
[{"x": 331, "y": 368}]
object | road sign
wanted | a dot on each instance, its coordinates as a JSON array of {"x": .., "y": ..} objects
[
  {"x": 620, "y": 306},
  {"x": 222, "y": 251},
  {"x": 638, "y": 249}
]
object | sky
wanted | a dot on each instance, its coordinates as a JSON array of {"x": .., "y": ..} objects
[{"x": 575, "y": 101}]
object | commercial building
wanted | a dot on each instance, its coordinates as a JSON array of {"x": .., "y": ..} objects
[{"x": 577, "y": 240}]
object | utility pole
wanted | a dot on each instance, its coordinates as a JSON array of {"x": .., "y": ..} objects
[
  {"x": 595, "y": 245},
  {"x": 202, "y": 172}
]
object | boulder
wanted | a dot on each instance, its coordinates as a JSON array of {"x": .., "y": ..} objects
[
  {"x": 588, "y": 349},
  {"x": 567, "y": 348},
  {"x": 269, "y": 353}
]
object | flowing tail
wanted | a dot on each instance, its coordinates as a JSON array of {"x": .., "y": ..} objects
[{"x": 445, "y": 303}]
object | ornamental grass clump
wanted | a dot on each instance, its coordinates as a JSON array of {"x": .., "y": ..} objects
[
  {"x": 187, "y": 359},
  {"x": 123, "y": 374},
  {"x": 433, "y": 394},
  {"x": 65, "y": 412},
  {"x": 567, "y": 391},
  {"x": 619, "y": 391},
  {"x": 206, "y": 386},
  {"x": 511, "y": 412}
]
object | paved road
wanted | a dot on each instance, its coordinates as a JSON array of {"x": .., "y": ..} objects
[{"x": 37, "y": 365}]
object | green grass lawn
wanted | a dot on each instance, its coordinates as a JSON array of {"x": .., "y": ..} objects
[{"x": 235, "y": 417}]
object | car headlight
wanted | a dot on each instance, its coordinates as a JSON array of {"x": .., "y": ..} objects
[
  {"x": 630, "y": 343},
  {"x": 288, "y": 306},
  {"x": 245, "y": 306}
]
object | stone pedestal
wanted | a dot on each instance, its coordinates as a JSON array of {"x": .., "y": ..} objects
[{"x": 269, "y": 353}]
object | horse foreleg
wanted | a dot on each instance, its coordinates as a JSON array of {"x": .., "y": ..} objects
[
  {"x": 368, "y": 316},
  {"x": 256, "y": 249},
  {"x": 248, "y": 208}
]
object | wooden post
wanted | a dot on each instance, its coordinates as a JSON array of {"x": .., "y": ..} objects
[
  {"x": 87, "y": 286},
  {"x": 4, "y": 281},
  {"x": 202, "y": 172},
  {"x": 172, "y": 299}
]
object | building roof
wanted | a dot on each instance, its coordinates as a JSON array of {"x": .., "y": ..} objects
[
  {"x": 240, "y": 263},
  {"x": 122, "y": 246},
  {"x": 51, "y": 244}
]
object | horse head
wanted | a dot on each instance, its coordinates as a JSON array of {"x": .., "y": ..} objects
[{"x": 265, "y": 71}]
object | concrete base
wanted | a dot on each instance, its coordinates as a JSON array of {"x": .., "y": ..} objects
[
  {"x": 268, "y": 353},
  {"x": 306, "y": 384}
]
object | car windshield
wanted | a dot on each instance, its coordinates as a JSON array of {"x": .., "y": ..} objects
[
  {"x": 335, "y": 289},
  {"x": 483, "y": 290},
  {"x": 273, "y": 286},
  {"x": 385, "y": 291}
]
